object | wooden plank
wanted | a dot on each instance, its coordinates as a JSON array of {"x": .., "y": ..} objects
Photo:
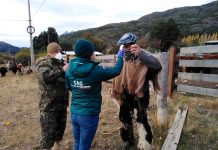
[
  {"x": 107, "y": 60},
  {"x": 197, "y": 90},
  {"x": 106, "y": 64},
  {"x": 199, "y": 63},
  {"x": 199, "y": 77},
  {"x": 196, "y": 57},
  {"x": 171, "y": 70},
  {"x": 199, "y": 49},
  {"x": 106, "y": 57},
  {"x": 172, "y": 140}
]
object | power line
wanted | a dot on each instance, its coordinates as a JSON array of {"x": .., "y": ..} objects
[
  {"x": 11, "y": 20},
  {"x": 39, "y": 8},
  {"x": 11, "y": 35}
]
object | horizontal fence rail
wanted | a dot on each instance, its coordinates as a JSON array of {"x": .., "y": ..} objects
[
  {"x": 199, "y": 63},
  {"x": 198, "y": 90},
  {"x": 199, "y": 77},
  {"x": 107, "y": 60},
  {"x": 199, "y": 49}
]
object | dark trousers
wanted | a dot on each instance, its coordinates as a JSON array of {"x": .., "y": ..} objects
[
  {"x": 129, "y": 103},
  {"x": 53, "y": 125}
]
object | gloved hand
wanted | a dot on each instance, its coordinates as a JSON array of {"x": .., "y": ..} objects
[{"x": 121, "y": 51}]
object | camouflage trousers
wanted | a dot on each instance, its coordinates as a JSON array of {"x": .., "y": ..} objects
[{"x": 53, "y": 125}]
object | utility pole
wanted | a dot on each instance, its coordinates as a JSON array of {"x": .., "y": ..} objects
[{"x": 31, "y": 30}]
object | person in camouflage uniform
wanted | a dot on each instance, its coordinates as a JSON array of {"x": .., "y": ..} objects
[{"x": 53, "y": 99}]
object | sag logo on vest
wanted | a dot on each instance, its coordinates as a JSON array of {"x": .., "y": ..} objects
[{"x": 79, "y": 84}]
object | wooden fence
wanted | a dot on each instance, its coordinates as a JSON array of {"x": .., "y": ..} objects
[
  {"x": 107, "y": 60},
  {"x": 198, "y": 70}
]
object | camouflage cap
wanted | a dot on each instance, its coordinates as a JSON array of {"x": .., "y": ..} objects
[{"x": 53, "y": 48}]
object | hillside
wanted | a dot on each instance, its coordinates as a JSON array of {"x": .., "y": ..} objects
[
  {"x": 191, "y": 20},
  {"x": 5, "y": 47}
]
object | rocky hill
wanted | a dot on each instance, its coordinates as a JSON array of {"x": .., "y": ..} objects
[
  {"x": 191, "y": 20},
  {"x": 5, "y": 47}
]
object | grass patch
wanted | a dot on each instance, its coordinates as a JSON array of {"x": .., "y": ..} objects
[{"x": 19, "y": 121}]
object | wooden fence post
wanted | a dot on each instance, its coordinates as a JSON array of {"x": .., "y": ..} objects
[
  {"x": 171, "y": 71},
  {"x": 162, "y": 95}
]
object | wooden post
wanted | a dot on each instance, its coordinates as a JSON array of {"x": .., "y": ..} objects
[
  {"x": 171, "y": 70},
  {"x": 162, "y": 95},
  {"x": 114, "y": 59},
  {"x": 68, "y": 58}
]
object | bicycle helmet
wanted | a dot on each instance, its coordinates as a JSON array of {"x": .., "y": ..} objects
[{"x": 127, "y": 38}]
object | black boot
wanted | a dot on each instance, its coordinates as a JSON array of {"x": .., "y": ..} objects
[
  {"x": 128, "y": 146},
  {"x": 127, "y": 136}
]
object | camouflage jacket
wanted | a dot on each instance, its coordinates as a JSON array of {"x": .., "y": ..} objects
[{"x": 52, "y": 88}]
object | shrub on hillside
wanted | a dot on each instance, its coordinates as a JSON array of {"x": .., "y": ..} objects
[{"x": 23, "y": 56}]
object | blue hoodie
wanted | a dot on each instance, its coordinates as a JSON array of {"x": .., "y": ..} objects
[{"x": 84, "y": 78}]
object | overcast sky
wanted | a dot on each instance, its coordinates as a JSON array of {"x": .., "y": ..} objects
[{"x": 73, "y": 15}]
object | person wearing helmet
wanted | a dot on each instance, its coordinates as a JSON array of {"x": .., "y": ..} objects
[{"x": 131, "y": 90}]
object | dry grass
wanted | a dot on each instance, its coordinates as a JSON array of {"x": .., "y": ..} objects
[{"x": 19, "y": 121}]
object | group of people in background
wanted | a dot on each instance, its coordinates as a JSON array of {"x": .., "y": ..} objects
[
  {"x": 83, "y": 77},
  {"x": 13, "y": 66}
]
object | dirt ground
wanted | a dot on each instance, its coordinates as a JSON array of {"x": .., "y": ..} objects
[{"x": 20, "y": 130}]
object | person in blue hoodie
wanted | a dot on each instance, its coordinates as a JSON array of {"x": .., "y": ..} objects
[{"x": 84, "y": 79}]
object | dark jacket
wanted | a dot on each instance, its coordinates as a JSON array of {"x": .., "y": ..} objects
[
  {"x": 154, "y": 67},
  {"x": 52, "y": 89},
  {"x": 152, "y": 62},
  {"x": 84, "y": 78}
]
